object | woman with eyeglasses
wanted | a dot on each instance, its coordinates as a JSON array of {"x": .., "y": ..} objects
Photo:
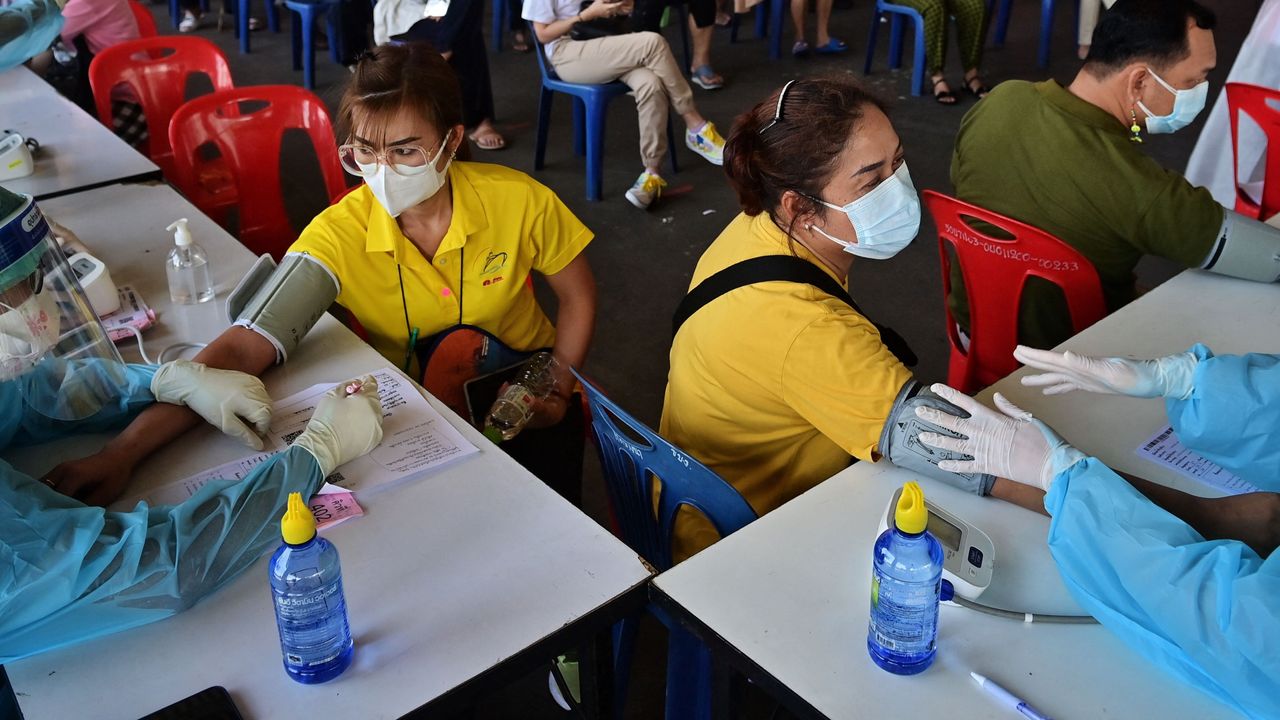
[
  {"x": 778, "y": 381},
  {"x": 431, "y": 256}
]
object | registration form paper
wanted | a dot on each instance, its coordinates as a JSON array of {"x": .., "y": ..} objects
[
  {"x": 415, "y": 439},
  {"x": 1164, "y": 449}
]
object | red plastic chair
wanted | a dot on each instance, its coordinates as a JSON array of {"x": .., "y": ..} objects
[
  {"x": 1252, "y": 101},
  {"x": 248, "y": 140},
  {"x": 995, "y": 270},
  {"x": 157, "y": 69},
  {"x": 146, "y": 23}
]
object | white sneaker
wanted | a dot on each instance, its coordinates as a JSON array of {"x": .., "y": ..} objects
[
  {"x": 190, "y": 21},
  {"x": 647, "y": 188},
  {"x": 707, "y": 143}
]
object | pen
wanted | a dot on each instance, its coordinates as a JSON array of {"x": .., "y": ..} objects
[{"x": 1007, "y": 698}]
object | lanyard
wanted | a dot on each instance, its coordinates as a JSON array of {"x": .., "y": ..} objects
[{"x": 413, "y": 330}]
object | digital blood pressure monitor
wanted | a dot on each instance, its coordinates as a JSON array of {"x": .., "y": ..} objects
[{"x": 968, "y": 555}]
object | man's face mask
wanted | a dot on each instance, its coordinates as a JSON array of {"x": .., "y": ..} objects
[
  {"x": 1187, "y": 104},
  {"x": 885, "y": 220},
  {"x": 27, "y": 332}
]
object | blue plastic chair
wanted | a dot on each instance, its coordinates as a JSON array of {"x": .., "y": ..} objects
[
  {"x": 632, "y": 457},
  {"x": 898, "y": 14},
  {"x": 767, "y": 14},
  {"x": 589, "y": 110},
  {"x": 242, "y": 21},
  {"x": 499, "y": 23},
  {"x": 304, "y": 35},
  {"x": 1046, "y": 26}
]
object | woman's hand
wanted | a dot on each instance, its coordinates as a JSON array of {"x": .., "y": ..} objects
[{"x": 98, "y": 479}]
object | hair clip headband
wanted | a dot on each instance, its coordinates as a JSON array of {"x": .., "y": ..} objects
[{"x": 777, "y": 112}]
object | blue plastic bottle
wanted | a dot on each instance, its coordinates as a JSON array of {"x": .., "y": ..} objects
[
  {"x": 906, "y": 579},
  {"x": 311, "y": 611}
]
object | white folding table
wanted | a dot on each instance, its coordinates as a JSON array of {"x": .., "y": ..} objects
[
  {"x": 455, "y": 582},
  {"x": 785, "y": 600},
  {"x": 76, "y": 151}
]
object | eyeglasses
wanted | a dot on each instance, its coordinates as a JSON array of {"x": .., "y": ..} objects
[
  {"x": 777, "y": 113},
  {"x": 362, "y": 160}
]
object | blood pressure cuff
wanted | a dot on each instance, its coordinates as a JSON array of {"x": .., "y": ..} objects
[
  {"x": 900, "y": 440},
  {"x": 282, "y": 303},
  {"x": 1245, "y": 249}
]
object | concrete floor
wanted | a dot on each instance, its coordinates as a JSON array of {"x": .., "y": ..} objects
[{"x": 643, "y": 260}]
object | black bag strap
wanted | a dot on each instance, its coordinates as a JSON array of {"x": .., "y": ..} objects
[{"x": 784, "y": 268}]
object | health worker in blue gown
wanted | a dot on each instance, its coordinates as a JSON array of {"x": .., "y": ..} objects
[
  {"x": 71, "y": 571},
  {"x": 1207, "y": 610}
]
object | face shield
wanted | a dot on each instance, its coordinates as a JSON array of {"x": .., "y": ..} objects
[{"x": 52, "y": 346}]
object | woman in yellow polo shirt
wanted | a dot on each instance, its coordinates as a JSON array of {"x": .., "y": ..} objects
[
  {"x": 426, "y": 244},
  {"x": 775, "y": 385}
]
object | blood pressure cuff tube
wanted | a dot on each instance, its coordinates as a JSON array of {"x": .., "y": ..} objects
[
  {"x": 900, "y": 440},
  {"x": 282, "y": 303},
  {"x": 1245, "y": 249}
]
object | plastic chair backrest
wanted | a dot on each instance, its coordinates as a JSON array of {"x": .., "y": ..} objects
[
  {"x": 248, "y": 140},
  {"x": 995, "y": 271},
  {"x": 548, "y": 72},
  {"x": 632, "y": 456},
  {"x": 146, "y": 23},
  {"x": 158, "y": 80},
  {"x": 1252, "y": 101}
]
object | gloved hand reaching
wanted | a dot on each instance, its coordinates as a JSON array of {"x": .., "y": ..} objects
[
  {"x": 1168, "y": 376},
  {"x": 344, "y": 426},
  {"x": 1013, "y": 445},
  {"x": 234, "y": 402}
]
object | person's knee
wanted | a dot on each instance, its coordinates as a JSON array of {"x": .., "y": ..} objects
[
  {"x": 645, "y": 86},
  {"x": 652, "y": 42}
]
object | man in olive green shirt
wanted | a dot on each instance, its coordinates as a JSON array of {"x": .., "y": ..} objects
[{"x": 1064, "y": 160}]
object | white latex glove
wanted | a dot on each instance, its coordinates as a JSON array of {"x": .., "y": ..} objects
[
  {"x": 1168, "y": 376},
  {"x": 234, "y": 402},
  {"x": 1013, "y": 445},
  {"x": 344, "y": 426}
]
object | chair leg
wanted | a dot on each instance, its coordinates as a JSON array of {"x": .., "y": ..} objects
[
  {"x": 175, "y": 13},
  {"x": 273, "y": 16},
  {"x": 775, "y": 20},
  {"x": 1002, "y": 21},
  {"x": 688, "y": 676},
  {"x": 332, "y": 15},
  {"x": 544, "y": 120},
  {"x": 295, "y": 33},
  {"x": 917, "y": 68},
  {"x": 871, "y": 43},
  {"x": 498, "y": 16},
  {"x": 671, "y": 144},
  {"x": 309, "y": 50},
  {"x": 580, "y": 121},
  {"x": 895, "y": 41},
  {"x": 733, "y": 28},
  {"x": 595, "y": 117},
  {"x": 1046, "y": 33},
  {"x": 242, "y": 24},
  {"x": 624, "y": 647},
  {"x": 762, "y": 20},
  {"x": 684, "y": 35}
]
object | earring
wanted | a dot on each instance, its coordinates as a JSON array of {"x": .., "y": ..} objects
[{"x": 1134, "y": 128}]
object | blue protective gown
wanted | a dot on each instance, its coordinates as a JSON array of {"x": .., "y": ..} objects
[
  {"x": 1206, "y": 610},
  {"x": 27, "y": 28},
  {"x": 70, "y": 572}
]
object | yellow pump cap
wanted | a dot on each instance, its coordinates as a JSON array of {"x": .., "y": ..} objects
[
  {"x": 298, "y": 524},
  {"x": 911, "y": 516}
]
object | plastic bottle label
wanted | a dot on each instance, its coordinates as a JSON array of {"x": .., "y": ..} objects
[{"x": 904, "y": 616}]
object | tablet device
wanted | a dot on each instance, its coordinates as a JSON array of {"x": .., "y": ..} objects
[{"x": 209, "y": 704}]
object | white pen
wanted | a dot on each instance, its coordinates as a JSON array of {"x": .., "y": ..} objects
[{"x": 1007, "y": 698}]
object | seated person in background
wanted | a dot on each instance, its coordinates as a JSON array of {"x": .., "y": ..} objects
[
  {"x": 426, "y": 247},
  {"x": 778, "y": 385},
  {"x": 26, "y": 29},
  {"x": 1068, "y": 161},
  {"x": 1181, "y": 593},
  {"x": 971, "y": 31},
  {"x": 72, "y": 571},
  {"x": 644, "y": 62}
]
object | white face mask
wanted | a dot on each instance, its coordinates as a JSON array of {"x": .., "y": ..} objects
[
  {"x": 885, "y": 220},
  {"x": 1187, "y": 104},
  {"x": 398, "y": 192},
  {"x": 27, "y": 332}
]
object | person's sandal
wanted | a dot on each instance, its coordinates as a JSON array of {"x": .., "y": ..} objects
[
  {"x": 800, "y": 49},
  {"x": 944, "y": 97},
  {"x": 980, "y": 91},
  {"x": 706, "y": 78},
  {"x": 519, "y": 42},
  {"x": 488, "y": 139},
  {"x": 832, "y": 47}
]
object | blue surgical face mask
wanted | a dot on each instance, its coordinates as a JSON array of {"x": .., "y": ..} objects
[
  {"x": 885, "y": 220},
  {"x": 1187, "y": 104}
]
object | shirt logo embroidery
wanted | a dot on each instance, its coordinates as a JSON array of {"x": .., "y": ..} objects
[{"x": 494, "y": 263}]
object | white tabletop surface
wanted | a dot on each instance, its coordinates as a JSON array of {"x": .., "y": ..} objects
[
  {"x": 792, "y": 590},
  {"x": 445, "y": 576},
  {"x": 76, "y": 151}
]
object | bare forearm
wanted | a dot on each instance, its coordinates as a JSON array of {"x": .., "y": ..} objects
[{"x": 1031, "y": 498}]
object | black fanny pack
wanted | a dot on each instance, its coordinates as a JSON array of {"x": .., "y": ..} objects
[
  {"x": 600, "y": 27},
  {"x": 784, "y": 268}
]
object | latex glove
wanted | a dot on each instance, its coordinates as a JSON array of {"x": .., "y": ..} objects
[
  {"x": 234, "y": 402},
  {"x": 344, "y": 426},
  {"x": 1168, "y": 376},
  {"x": 1013, "y": 445}
]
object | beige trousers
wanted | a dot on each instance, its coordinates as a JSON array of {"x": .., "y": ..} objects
[{"x": 644, "y": 62}]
